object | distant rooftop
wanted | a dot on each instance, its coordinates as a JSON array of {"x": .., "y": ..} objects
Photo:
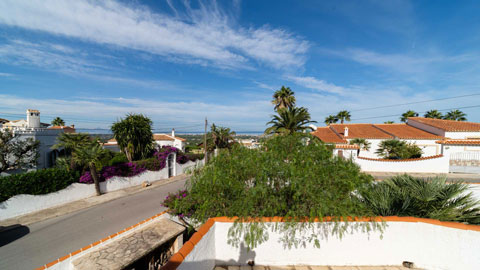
[{"x": 447, "y": 125}]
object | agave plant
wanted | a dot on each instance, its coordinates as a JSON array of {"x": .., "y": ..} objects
[{"x": 428, "y": 198}]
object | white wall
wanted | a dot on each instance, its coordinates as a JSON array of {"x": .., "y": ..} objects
[
  {"x": 434, "y": 165},
  {"x": 24, "y": 204},
  {"x": 427, "y": 246},
  {"x": 462, "y": 135},
  {"x": 203, "y": 254}
]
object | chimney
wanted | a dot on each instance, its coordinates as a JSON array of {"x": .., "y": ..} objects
[
  {"x": 345, "y": 132},
  {"x": 173, "y": 132},
  {"x": 73, "y": 126}
]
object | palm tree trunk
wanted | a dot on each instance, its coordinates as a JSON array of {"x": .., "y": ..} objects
[{"x": 93, "y": 172}]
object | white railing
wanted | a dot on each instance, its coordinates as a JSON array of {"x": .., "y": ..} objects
[{"x": 465, "y": 156}]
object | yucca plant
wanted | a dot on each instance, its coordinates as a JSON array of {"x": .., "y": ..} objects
[{"x": 406, "y": 195}]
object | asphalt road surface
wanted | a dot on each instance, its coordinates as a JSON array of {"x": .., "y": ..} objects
[{"x": 29, "y": 247}]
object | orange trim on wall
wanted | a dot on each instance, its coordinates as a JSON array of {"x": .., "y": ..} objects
[
  {"x": 400, "y": 160},
  {"x": 178, "y": 257},
  {"x": 98, "y": 242}
]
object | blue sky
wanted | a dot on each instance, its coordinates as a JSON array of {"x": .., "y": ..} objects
[{"x": 91, "y": 62}]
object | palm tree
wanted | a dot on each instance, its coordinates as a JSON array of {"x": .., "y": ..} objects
[
  {"x": 290, "y": 121},
  {"x": 344, "y": 116},
  {"x": 388, "y": 122},
  {"x": 433, "y": 114},
  {"x": 222, "y": 137},
  {"x": 362, "y": 144},
  {"x": 70, "y": 142},
  {"x": 283, "y": 98},
  {"x": 407, "y": 114},
  {"x": 134, "y": 136},
  {"x": 331, "y": 119},
  {"x": 89, "y": 155},
  {"x": 405, "y": 195},
  {"x": 58, "y": 122},
  {"x": 456, "y": 115}
]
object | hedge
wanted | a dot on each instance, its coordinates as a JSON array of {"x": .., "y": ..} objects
[{"x": 37, "y": 182}]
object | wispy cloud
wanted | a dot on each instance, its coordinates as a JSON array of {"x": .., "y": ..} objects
[
  {"x": 2, "y": 74},
  {"x": 317, "y": 84},
  {"x": 205, "y": 35}
]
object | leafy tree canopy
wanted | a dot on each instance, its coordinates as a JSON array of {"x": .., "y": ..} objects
[
  {"x": 287, "y": 177},
  {"x": 433, "y": 114},
  {"x": 134, "y": 136},
  {"x": 17, "y": 152},
  {"x": 363, "y": 144},
  {"x": 58, "y": 122},
  {"x": 331, "y": 119}
]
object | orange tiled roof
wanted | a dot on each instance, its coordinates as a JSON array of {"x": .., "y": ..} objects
[
  {"x": 447, "y": 125},
  {"x": 162, "y": 137},
  {"x": 180, "y": 139},
  {"x": 66, "y": 129},
  {"x": 325, "y": 134},
  {"x": 460, "y": 141},
  {"x": 404, "y": 131},
  {"x": 365, "y": 131},
  {"x": 346, "y": 146}
]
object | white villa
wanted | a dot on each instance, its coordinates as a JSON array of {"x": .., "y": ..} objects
[
  {"x": 454, "y": 141},
  {"x": 33, "y": 128},
  {"x": 160, "y": 140}
]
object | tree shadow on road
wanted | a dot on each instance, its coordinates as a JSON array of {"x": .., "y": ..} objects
[{"x": 11, "y": 233}]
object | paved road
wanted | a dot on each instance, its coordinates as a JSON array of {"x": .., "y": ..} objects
[{"x": 43, "y": 242}]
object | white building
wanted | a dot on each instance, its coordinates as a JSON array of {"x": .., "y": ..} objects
[
  {"x": 160, "y": 140},
  {"x": 33, "y": 128},
  {"x": 447, "y": 139}
]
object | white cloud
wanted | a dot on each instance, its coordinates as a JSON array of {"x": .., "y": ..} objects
[
  {"x": 2, "y": 74},
  {"x": 101, "y": 112},
  {"x": 316, "y": 84},
  {"x": 205, "y": 34}
]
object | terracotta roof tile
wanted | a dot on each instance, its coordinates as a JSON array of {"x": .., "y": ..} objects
[
  {"x": 325, "y": 134},
  {"x": 162, "y": 137},
  {"x": 365, "y": 131},
  {"x": 346, "y": 146},
  {"x": 447, "y": 125},
  {"x": 460, "y": 141},
  {"x": 404, "y": 131},
  {"x": 66, "y": 129}
]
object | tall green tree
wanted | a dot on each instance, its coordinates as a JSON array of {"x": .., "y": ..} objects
[
  {"x": 89, "y": 155},
  {"x": 290, "y": 121},
  {"x": 343, "y": 116},
  {"x": 433, "y": 114},
  {"x": 17, "y": 152},
  {"x": 58, "y": 122},
  {"x": 407, "y": 114},
  {"x": 284, "y": 98},
  {"x": 389, "y": 122},
  {"x": 221, "y": 137},
  {"x": 456, "y": 115},
  {"x": 134, "y": 136},
  {"x": 70, "y": 142},
  {"x": 331, "y": 119}
]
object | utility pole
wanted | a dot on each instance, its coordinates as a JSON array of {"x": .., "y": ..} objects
[{"x": 205, "y": 141}]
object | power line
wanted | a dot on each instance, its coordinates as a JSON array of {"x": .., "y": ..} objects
[
  {"x": 393, "y": 115},
  {"x": 411, "y": 103}
]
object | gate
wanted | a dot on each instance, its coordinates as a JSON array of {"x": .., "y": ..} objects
[
  {"x": 465, "y": 162},
  {"x": 171, "y": 165}
]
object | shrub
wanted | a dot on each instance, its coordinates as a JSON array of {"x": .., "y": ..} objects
[
  {"x": 427, "y": 198},
  {"x": 124, "y": 169},
  {"x": 287, "y": 178},
  {"x": 194, "y": 157},
  {"x": 396, "y": 149},
  {"x": 36, "y": 182},
  {"x": 151, "y": 164},
  {"x": 117, "y": 159}
]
